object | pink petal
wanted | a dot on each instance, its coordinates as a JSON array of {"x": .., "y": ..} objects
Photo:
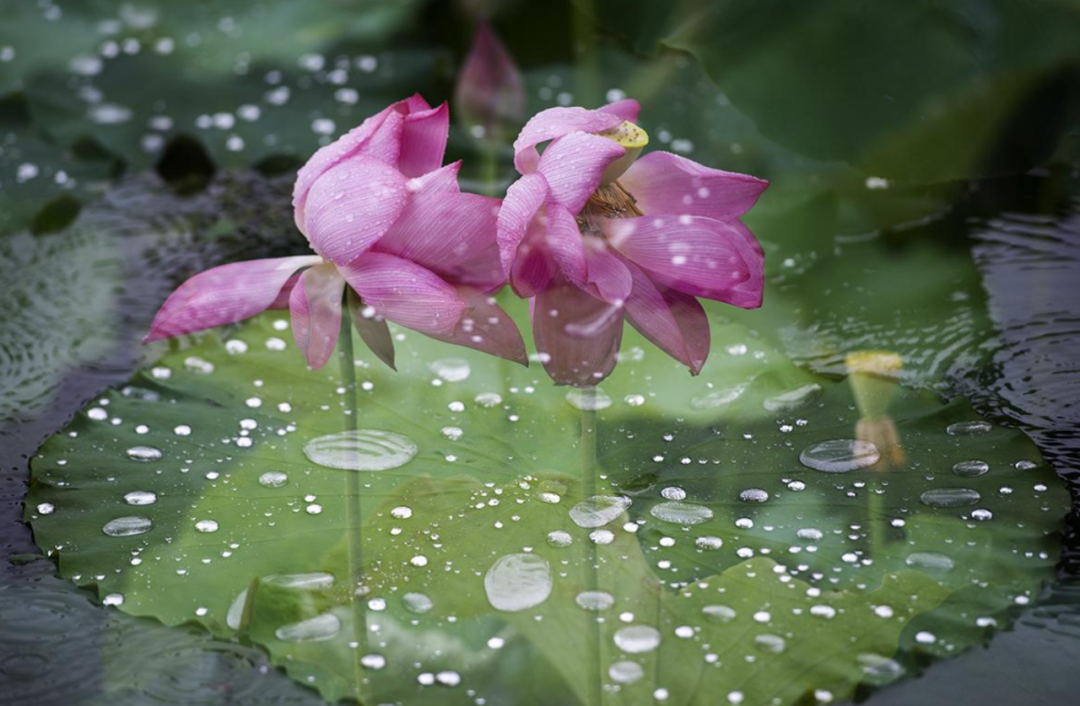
[
  {"x": 486, "y": 327},
  {"x": 627, "y": 109},
  {"x": 385, "y": 144},
  {"x": 564, "y": 243},
  {"x": 344, "y": 147},
  {"x": 534, "y": 266},
  {"x": 673, "y": 321},
  {"x": 523, "y": 199},
  {"x": 448, "y": 232},
  {"x": 413, "y": 104},
  {"x": 666, "y": 184},
  {"x": 577, "y": 334},
  {"x": 351, "y": 206},
  {"x": 373, "y": 330},
  {"x": 608, "y": 277},
  {"x": 405, "y": 293},
  {"x": 697, "y": 256},
  {"x": 282, "y": 300},
  {"x": 489, "y": 91},
  {"x": 573, "y": 166},
  {"x": 315, "y": 306},
  {"x": 225, "y": 295},
  {"x": 748, "y": 295},
  {"x": 553, "y": 123},
  {"x": 423, "y": 141}
]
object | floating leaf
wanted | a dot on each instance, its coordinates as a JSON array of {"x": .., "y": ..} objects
[{"x": 461, "y": 560}]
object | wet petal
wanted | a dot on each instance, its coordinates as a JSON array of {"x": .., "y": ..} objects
[
  {"x": 553, "y": 123},
  {"x": 372, "y": 329},
  {"x": 448, "y": 232},
  {"x": 666, "y": 184},
  {"x": 627, "y": 109},
  {"x": 608, "y": 277},
  {"x": 225, "y": 295},
  {"x": 423, "y": 141},
  {"x": 577, "y": 334},
  {"x": 523, "y": 199},
  {"x": 351, "y": 206},
  {"x": 534, "y": 266},
  {"x": 489, "y": 91},
  {"x": 282, "y": 300},
  {"x": 337, "y": 151},
  {"x": 486, "y": 327},
  {"x": 315, "y": 305},
  {"x": 405, "y": 293},
  {"x": 673, "y": 321},
  {"x": 564, "y": 243},
  {"x": 574, "y": 165},
  {"x": 697, "y": 256}
]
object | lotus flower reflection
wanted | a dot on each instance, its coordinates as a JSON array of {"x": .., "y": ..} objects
[
  {"x": 387, "y": 220},
  {"x": 592, "y": 236}
]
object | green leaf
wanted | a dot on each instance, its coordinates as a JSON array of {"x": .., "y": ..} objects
[
  {"x": 440, "y": 577},
  {"x": 915, "y": 91}
]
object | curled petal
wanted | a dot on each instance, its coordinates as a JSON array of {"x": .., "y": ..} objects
[
  {"x": 664, "y": 183},
  {"x": 341, "y": 149},
  {"x": 627, "y": 109},
  {"x": 748, "y": 294},
  {"x": 405, "y": 293},
  {"x": 351, "y": 206},
  {"x": 523, "y": 199},
  {"x": 534, "y": 266},
  {"x": 487, "y": 328},
  {"x": 315, "y": 305},
  {"x": 489, "y": 91},
  {"x": 673, "y": 321},
  {"x": 372, "y": 329},
  {"x": 608, "y": 277},
  {"x": 282, "y": 300},
  {"x": 697, "y": 256},
  {"x": 564, "y": 242},
  {"x": 423, "y": 141},
  {"x": 574, "y": 165},
  {"x": 577, "y": 335},
  {"x": 225, "y": 295},
  {"x": 448, "y": 232},
  {"x": 554, "y": 123}
]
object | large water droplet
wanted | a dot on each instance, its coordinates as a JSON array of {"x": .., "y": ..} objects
[
  {"x": 417, "y": 602},
  {"x": 880, "y": 670},
  {"x": 588, "y": 400},
  {"x": 717, "y": 398},
  {"x": 840, "y": 455},
  {"x": 595, "y": 600},
  {"x": 317, "y": 629},
  {"x": 451, "y": 369},
  {"x": 719, "y": 613},
  {"x": 970, "y": 428},
  {"x": 754, "y": 495},
  {"x": 598, "y": 510},
  {"x": 792, "y": 399},
  {"x": 950, "y": 497},
  {"x": 681, "y": 513},
  {"x": 625, "y": 672},
  {"x": 273, "y": 479},
  {"x": 206, "y": 526},
  {"x": 144, "y": 453},
  {"x": 518, "y": 582},
  {"x": 361, "y": 450},
  {"x": 929, "y": 561},
  {"x": 128, "y": 526},
  {"x": 140, "y": 497},
  {"x": 970, "y": 469},
  {"x": 637, "y": 638}
]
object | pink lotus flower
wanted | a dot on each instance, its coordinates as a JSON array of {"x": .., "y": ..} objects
[
  {"x": 386, "y": 219},
  {"x": 593, "y": 237}
]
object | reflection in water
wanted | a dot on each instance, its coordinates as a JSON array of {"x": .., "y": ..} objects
[{"x": 874, "y": 376}]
